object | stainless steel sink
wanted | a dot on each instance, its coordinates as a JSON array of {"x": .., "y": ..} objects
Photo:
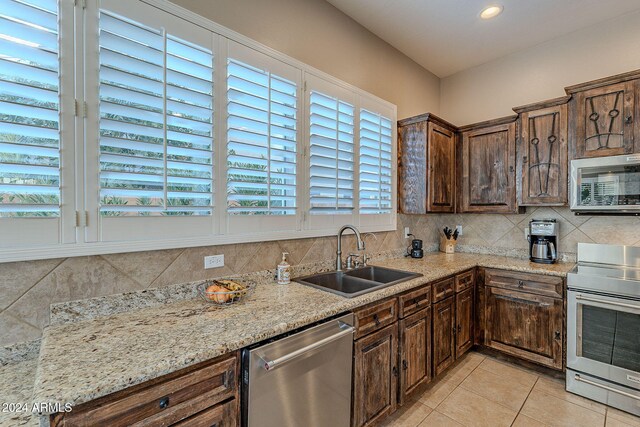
[{"x": 356, "y": 282}]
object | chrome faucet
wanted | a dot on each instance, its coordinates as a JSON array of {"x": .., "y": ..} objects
[{"x": 339, "y": 251}]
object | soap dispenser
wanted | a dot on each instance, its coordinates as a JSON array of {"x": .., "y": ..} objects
[{"x": 284, "y": 270}]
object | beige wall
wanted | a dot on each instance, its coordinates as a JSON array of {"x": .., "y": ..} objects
[
  {"x": 318, "y": 34},
  {"x": 541, "y": 72}
]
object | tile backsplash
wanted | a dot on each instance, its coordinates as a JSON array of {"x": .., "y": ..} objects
[{"x": 28, "y": 288}]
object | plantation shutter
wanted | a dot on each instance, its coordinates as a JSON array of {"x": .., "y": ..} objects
[
  {"x": 331, "y": 154},
  {"x": 155, "y": 103},
  {"x": 375, "y": 163},
  {"x": 156, "y": 122},
  {"x": 30, "y": 123},
  {"x": 262, "y": 139}
]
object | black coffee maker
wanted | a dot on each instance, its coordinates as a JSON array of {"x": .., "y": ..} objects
[{"x": 415, "y": 251}]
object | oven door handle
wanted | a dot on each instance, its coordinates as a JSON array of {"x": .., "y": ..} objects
[
  {"x": 603, "y": 301},
  {"x": 611, "y": 389}
]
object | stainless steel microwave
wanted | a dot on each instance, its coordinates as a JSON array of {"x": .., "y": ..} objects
[{"x": 606, "y": 184}]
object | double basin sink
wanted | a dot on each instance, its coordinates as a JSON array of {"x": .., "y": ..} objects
[{"x": 359, "y": 281}]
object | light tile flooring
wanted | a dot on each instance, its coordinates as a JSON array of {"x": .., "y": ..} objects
[{"x": 482, "y": 391}]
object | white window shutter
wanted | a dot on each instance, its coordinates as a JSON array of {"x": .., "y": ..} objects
[
  {"x": 156, "y": 125},
  {"x": 30, "y": 124},
  {"x": 331, "y": 160},
  {"x": 262, "y": 142}
]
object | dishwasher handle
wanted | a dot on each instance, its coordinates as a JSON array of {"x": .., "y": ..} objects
[{"x": 272, "y": 364}]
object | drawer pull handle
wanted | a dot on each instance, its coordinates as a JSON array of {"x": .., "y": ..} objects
[
  {"x": 164, "y": 402},
  {"x": 376, "y": 320},
  {"x": 416, "y": 301},
  {"x": 520, "y": 283}
]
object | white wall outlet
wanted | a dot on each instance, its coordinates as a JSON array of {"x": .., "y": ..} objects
[
  {"x": 213, "y": 261},
  {"x": 407, "y": 233},
  {"x": 459, "y": 228}
]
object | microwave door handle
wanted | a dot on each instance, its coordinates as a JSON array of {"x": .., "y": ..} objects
[{"x": 552, "y": 252}]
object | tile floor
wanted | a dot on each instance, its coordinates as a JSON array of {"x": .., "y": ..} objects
[{"x": 482, "y": 391}]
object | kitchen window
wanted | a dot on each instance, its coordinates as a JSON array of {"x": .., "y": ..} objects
[{"x": 138, "y": 125}]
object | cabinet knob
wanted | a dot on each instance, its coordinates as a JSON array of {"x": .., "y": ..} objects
[
  {"x": 520, "y": 283},
  {"x": 557, "y": 335},
  {"x": 628, "y": 120},
  {"x": 376, "y": 320},
  {"x": 416, "y": 301},
  {"x": 395, "y": 371},
  {"x": 404, "y": 365},
  {"x": 164, "y": 402}
]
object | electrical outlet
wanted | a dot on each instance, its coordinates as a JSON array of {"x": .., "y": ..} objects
[
  {"x": 214, "y": 261},
  {"x": 407, "y": 233},
  {"x": 459, "y": 228}
]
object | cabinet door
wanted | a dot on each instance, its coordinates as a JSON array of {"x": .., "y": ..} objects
[
  {"x": 412, "y": 168},
  {"x": 525, "y": 325},
  {"x": 604, "y": 120},
  {"x": 444, "y": 326},
  {"x": 375, "y": 376},
  {"x": 542, "y": 157},
  {"x": 464, "y": 320},
  {"x": 415, "y": 352},
  {"x": 488, "y": 158},
  {"x": 441, "y": 162}
]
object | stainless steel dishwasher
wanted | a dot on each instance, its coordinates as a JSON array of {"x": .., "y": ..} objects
[{"x": 302, "y": 379}]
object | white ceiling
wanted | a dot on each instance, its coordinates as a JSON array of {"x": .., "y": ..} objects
[{"x": 447, "y": 36}]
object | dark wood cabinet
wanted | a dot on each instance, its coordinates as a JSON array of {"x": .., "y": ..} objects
[
  {"x": 444, "y": 326},
  {"x": 205, "y": 394},
  {"x": 604, "y": 115},
  {"x": 487, "y": 167},
  {"x": 523, "y": 324},
  {"x": 426, "y": 165},
  {"x": 464, "y": 321},
  {"x": 375, "y": 376},
  {"x": 415, "y": 352},
  {"x": 542, "y": 153}
]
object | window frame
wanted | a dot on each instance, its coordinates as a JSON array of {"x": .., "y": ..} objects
[{"x": 80, "y": 232}]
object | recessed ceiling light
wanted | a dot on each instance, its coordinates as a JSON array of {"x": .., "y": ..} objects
[{"x": 491, "y": 11}]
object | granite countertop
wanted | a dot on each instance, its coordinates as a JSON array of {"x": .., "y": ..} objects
[
  {"x": 85, "y": 360},
  {"x": 16, "y": 386}
]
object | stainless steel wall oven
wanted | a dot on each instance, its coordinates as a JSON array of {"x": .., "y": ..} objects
[{"x": 603, "y": 326}]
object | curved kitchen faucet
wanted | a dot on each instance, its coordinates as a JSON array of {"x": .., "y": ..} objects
[{"x": 339, "y": 251}]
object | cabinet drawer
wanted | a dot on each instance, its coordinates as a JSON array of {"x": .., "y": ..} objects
[
  {"x": 443, "y": 289},
  {"x": 464, "y": 280},
  {"x": 375, "y": 317},
  {"x": 414, "y": 301},
  {"x": 221, "y": 415},
  {"x": 534, "y": 283},
  {"x": 164, "y": 402}
]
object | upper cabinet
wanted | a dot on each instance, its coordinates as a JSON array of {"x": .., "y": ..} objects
[
  {"x": 487, "y": 167},
  {"x": 426, "y": 165},
  {"x": 603, "y": 117},
  {"x": 542, "y": 153}
]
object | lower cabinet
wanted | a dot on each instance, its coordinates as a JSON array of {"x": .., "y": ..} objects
[
  {"x": 203, "y": 395},
  {"x": 523, "y": 316},
  {"x": 525, "y": 325},
  {"x": 444, "y": 326},
  {"x": 465, "y": 321},
  {"x": 415, "y": 352},
  {"x": 375, "y": 376}
]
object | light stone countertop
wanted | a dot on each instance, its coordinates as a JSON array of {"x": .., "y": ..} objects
[
  {"x": 85, "y": 360},
  {"x": 16, "y": 386}
]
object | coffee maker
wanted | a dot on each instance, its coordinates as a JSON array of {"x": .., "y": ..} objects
[{"x": 543, "y": 241}]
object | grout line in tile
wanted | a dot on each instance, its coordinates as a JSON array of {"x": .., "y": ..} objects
[
  {"x": 457, "y": 386},
  {"x": 35, "y": 284},
  {"x": 165, "y": 269},
  {"x": 525, "y": 400}
]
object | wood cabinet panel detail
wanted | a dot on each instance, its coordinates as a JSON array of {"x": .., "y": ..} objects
[
  {"x": 444, "y": 325},
  {"x": 465, "y": 321},
  {"x": 375, "y": 376},
  {"x": 415, "y": 352}
]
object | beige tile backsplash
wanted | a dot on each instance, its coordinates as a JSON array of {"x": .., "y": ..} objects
[{"x": 28, "y": 288}]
